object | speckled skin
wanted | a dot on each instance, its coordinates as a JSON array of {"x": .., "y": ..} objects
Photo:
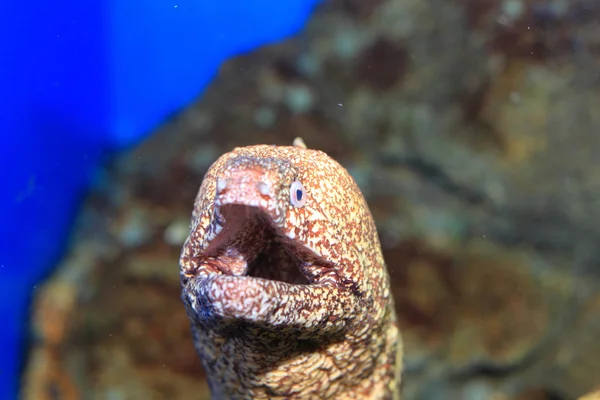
[{"x": 334, "y": 336}]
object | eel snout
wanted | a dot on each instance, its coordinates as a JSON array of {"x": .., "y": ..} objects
[{"x": 250, "y": 271}]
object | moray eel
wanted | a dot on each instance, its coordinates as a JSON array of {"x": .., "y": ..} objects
[{"x": 284, "y": 281}]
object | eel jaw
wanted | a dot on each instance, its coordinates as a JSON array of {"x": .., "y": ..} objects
[{"x": 251, "y": 272}]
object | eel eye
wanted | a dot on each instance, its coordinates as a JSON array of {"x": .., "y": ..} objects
[{"x": 297, "y": 194}]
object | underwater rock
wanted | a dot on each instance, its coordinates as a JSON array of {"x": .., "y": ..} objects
[
  {"x": 591, "y": 396},
  {"x": 479, "y": 162}
]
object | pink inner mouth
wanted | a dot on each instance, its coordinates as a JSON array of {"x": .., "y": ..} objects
[{"x": 250, "y": 245}]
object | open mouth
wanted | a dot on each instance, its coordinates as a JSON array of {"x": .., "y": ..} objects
[
  {"x": 251, "y": 272},
  {"x": 249, "y": 244}
]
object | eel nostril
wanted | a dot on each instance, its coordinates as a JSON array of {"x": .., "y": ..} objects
[
  {"x": 263, "y": 188},
  {"x": 221, "y": 185}
]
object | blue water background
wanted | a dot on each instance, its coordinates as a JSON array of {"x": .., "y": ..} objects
[{"x": 78, "y": 79}]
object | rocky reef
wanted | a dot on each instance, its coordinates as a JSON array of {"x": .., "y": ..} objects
[{"x": 472, "y": 129}]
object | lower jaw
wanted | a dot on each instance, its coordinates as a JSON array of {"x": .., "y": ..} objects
[{"x": 270, "y": 304}]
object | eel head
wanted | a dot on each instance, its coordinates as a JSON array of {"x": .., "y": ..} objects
[{"x": 280, "y": 238}]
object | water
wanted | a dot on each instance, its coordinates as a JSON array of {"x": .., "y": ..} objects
[{"x": 80, "y": 80}]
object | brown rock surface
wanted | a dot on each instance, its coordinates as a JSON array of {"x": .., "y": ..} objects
[
  {"x": 591, "y": 396},
  {"x": 471, "y": 127}
]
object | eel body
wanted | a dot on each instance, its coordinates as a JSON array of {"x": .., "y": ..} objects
[{"x": 284, "y": 281}]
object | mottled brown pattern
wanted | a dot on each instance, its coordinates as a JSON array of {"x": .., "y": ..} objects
[{"x": 327, "y": 331}]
